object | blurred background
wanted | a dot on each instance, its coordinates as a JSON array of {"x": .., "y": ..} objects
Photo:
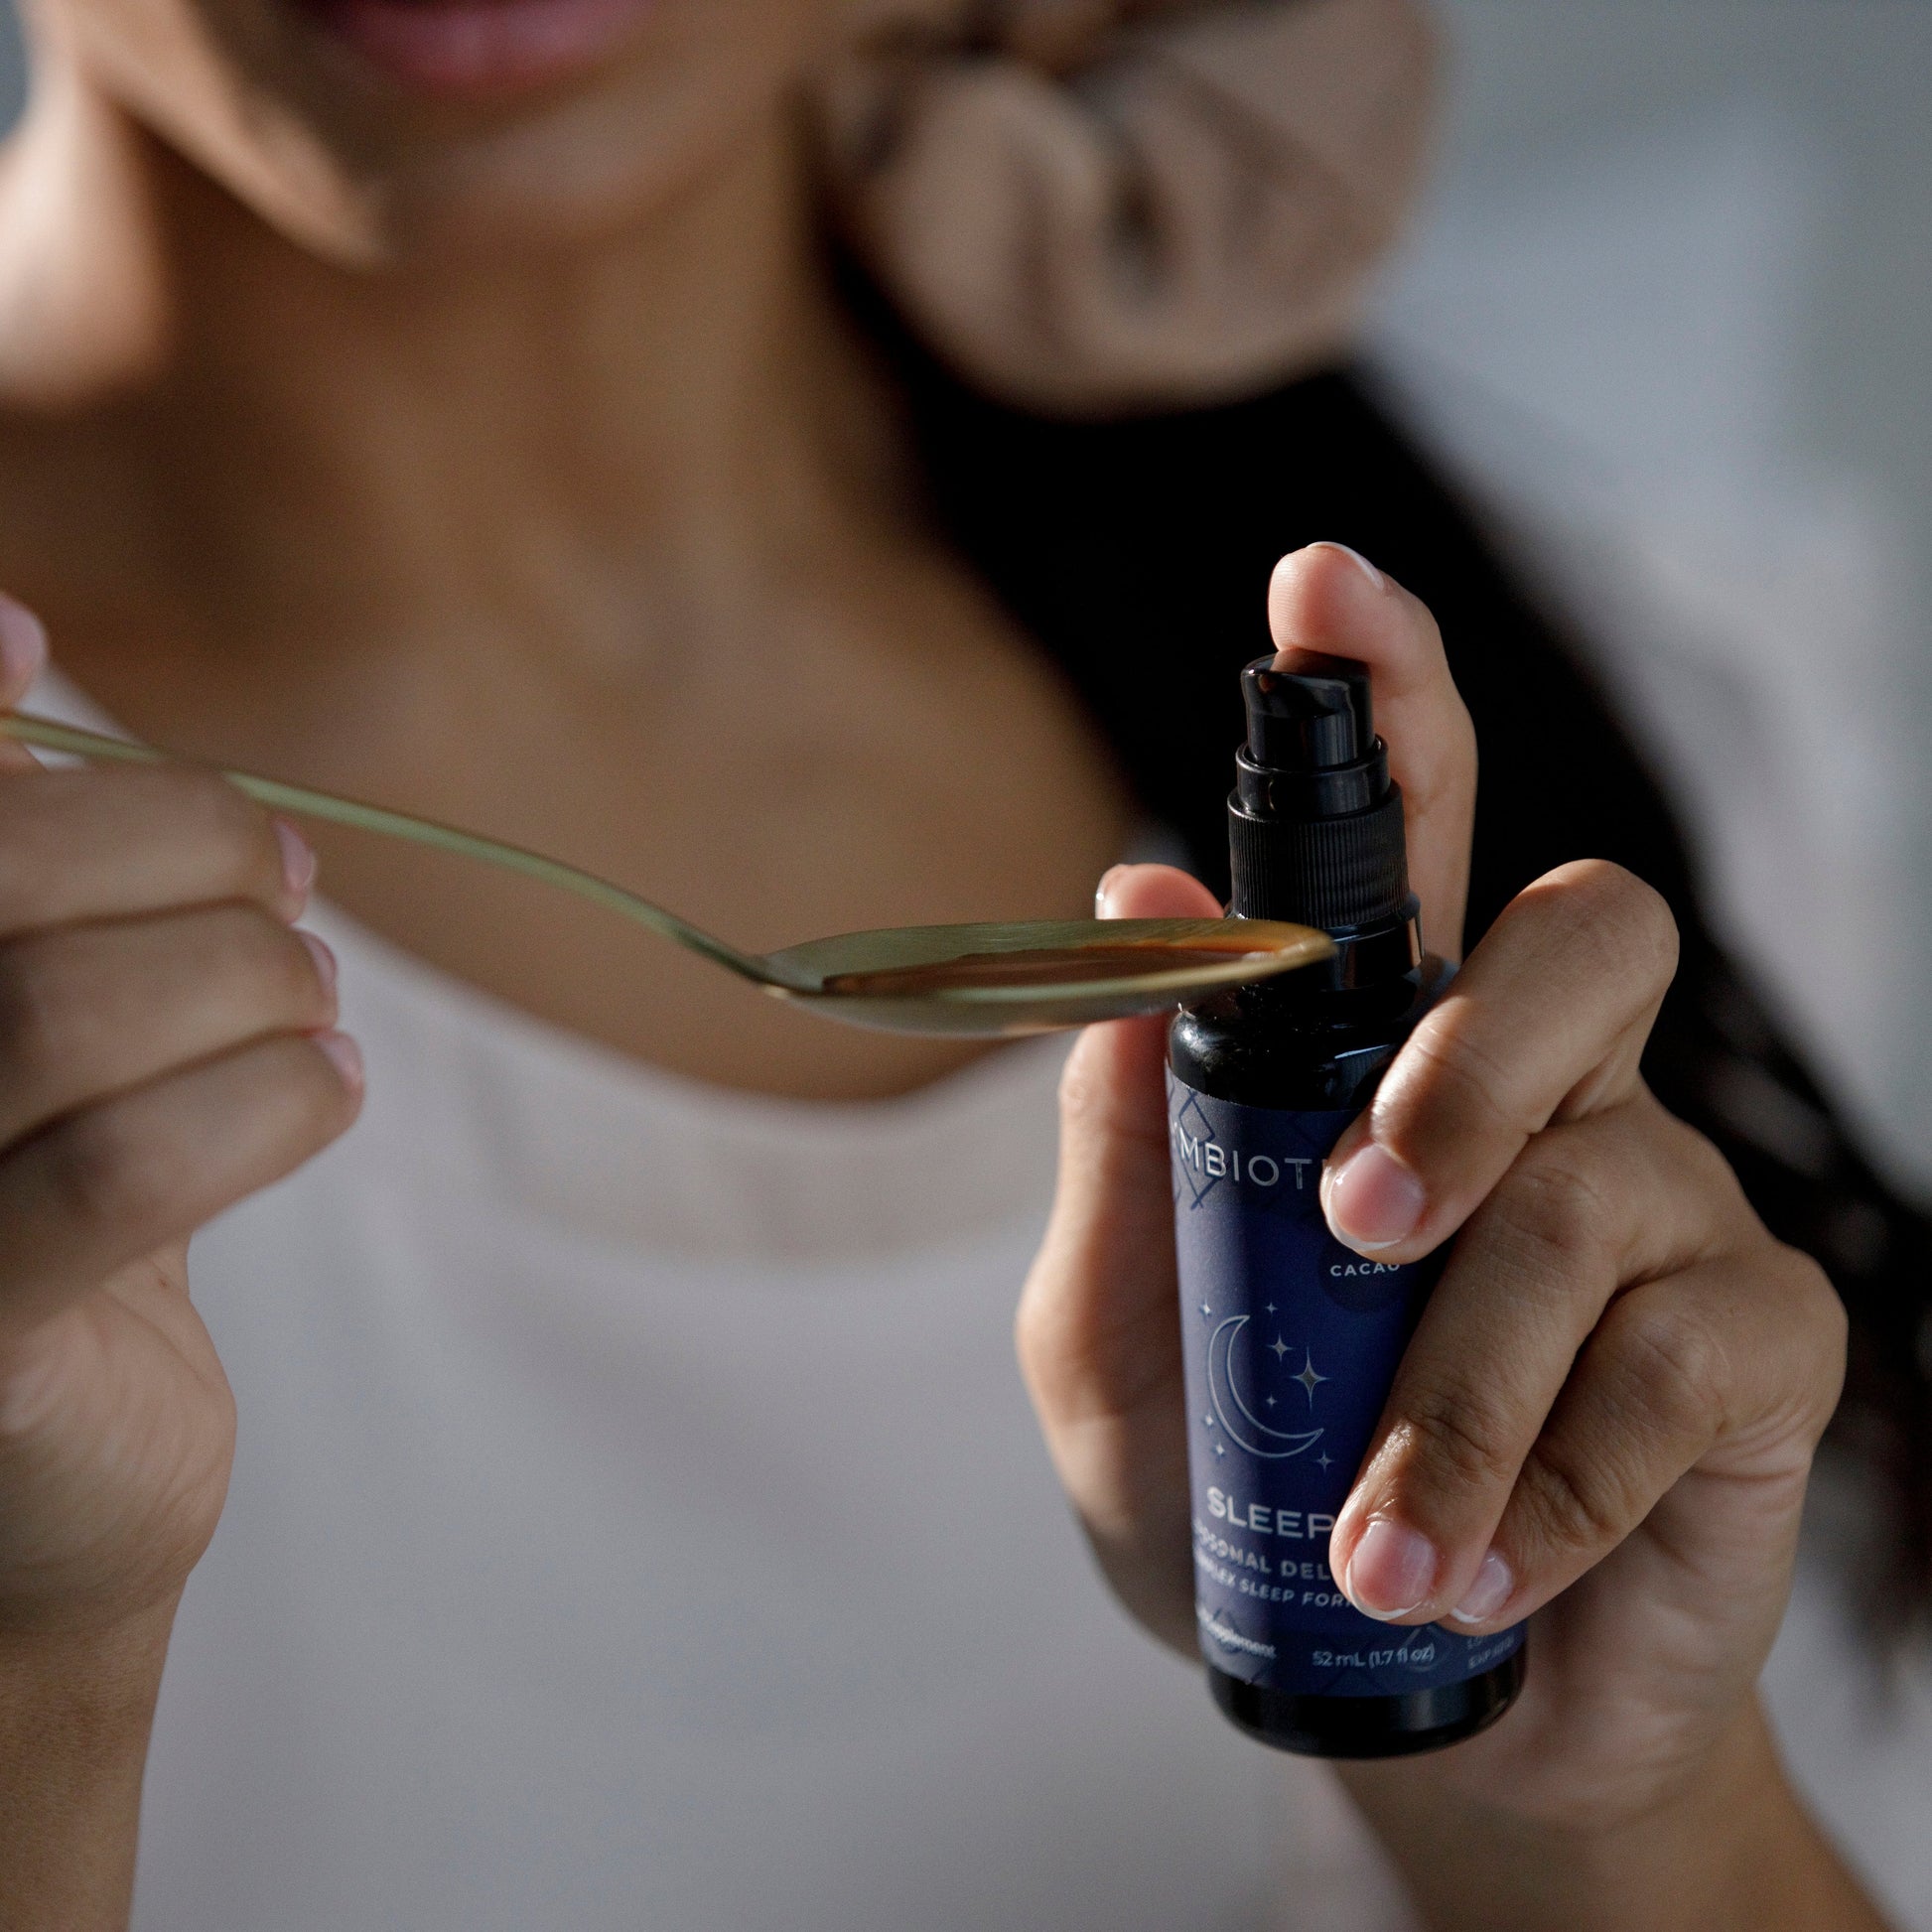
[{"x": 1667, "y": 313}]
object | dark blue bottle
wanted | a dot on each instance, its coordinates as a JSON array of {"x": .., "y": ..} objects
[{"x": 1291, "y": 1340}]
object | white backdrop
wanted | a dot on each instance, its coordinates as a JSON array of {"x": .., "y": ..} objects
[{"x": 1669, "y": 309}]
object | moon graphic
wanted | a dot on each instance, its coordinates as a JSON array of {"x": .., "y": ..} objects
[{"x": 1243, "y": 1425}]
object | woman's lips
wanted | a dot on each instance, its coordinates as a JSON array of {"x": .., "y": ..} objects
[{"x": 478, "y": 49}]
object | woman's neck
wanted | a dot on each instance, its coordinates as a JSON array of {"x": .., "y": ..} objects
[
  {"x": 648, "y": 418},
  {"x": 501, "y": 543}
]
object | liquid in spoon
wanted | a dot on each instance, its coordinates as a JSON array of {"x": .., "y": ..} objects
[{"x": 1045, "y": 966}]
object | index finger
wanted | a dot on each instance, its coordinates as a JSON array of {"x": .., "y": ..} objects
[
  {"x": 83, "y": 845},
  {"x": 1548, "y": 1021}
]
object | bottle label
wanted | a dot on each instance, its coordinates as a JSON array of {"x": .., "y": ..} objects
[{"x": 1292, "y": 1343}]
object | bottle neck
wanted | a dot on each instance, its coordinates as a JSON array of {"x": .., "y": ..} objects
[
  {"x": 1296, "y": 858},
  {"x": 1265, "y": 792},
  {"x": 1367, "y": 958}
]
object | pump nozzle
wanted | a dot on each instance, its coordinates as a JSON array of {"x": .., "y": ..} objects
[
  {"x": 1311, "y": 719},
  {"x": 1314, "y": 825}
]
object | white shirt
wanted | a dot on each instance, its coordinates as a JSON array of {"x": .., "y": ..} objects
[{"x": 637, "y": 1521}]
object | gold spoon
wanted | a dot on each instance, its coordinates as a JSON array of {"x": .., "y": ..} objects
[{"x": 973, "y": 980}]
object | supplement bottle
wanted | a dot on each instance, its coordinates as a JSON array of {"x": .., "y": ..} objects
[{"x": 1291, "y": 1340}]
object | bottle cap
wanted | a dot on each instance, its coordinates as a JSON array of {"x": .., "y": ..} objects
[{"x": 1314, "y": 821}]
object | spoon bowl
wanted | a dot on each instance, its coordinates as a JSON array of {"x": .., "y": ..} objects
[
  {"x": 1033, "y": 976},
  {"x": 968, "y": 980}
]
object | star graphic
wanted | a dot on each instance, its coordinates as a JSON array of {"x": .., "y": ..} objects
[
  {"x": 1278, "y": 1346},
  {"x": 1205, "y": 1311},
  {"x": 1271, "y": 1307},
  {"x": 1324, "y": 1461},
  {"x": 1271, "y": 1402},
  {"x": 1207, "y": 1422},
  {"x": 1220, "y": 1449},
  {"x": 1309, "y": 1378}
]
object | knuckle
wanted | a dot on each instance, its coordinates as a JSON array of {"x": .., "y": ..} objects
[
  {"x": 1822, "y": 1329},
  {"x": 1103, "y": 1117},
  {"x": 212, "y": 810},
  {"x": 1082, "y": 1091},
  {"x": 268, "y": 954},
  {"x": 1032, "y": 1326},
  {"x": 283, "y": 1088},
  {"x": 1693, "y": 1156},
  {"x": 1817, "y": 1302},
  {"x": 1551, "y": 1204},
  {"x": 1658, "y": 1399},
  {"x": 104, "y": 1180},
  {"x": 317, "y": 1104},
  {"x": 1676, "y": 1158},
  {"x": 1455, "y": 1437},
  {"x": 1826, "y": 1309},
  {"x": 1578, "y": 1502},
  {"x": 1676, "y": 1369},
  {"x": 1045, "y": 1338},
  {"x": 29, "y": 1027},
  {"x": 32, "y": 808},
  {"x": 1627, "y": 923},
  {"x": 1447, "y": 1075}
]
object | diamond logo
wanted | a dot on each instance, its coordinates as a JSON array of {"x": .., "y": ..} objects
[{"x": 1192, "y": 1131}]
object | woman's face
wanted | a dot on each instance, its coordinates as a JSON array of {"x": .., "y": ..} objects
[{"x": 372, "y": 129}]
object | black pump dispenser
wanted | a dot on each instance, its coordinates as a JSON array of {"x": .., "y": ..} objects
[{"x": 1314, "y": 821}]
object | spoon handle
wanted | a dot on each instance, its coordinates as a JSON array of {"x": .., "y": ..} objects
[{"x": 51, "y": 737}]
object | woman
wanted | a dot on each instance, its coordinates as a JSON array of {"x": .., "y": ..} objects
[{"x": 633, "y": 1519}]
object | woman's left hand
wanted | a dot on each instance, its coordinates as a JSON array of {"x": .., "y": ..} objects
[{"x": 1607, "y": 1416}]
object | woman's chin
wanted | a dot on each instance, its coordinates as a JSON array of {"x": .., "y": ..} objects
[{"x": 480, "y": 49}]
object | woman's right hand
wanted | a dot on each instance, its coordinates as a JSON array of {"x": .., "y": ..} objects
[
  {"x": 166, "y": 1047},
  {"x": 1605, "y": 1419}
]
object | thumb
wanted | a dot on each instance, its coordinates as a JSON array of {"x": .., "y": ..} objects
[
  {"x": 1097, "y": 1318},
  {"x": 1328, "y": 599},
  {"x": 23, "y": 656},
  {"x": 1098, "y": 1329},
  {"x": 1152, "y": 892}
]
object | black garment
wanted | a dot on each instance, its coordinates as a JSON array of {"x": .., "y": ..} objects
[{"x": 1138, "y": 552}]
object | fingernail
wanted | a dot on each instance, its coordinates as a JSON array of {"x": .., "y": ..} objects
[
  {"x": 324, "y": 958},
  {"x": 1488, "y": 1594},
  {"x": 1360, "y": 562},
  {"x": 298, "y": 860},
  {"x": 1391, "y": 1572},
  {"x": 1103, "y": 893},
  {"x": 347, "y": 1056},
  {"x": 1372, "y": 1200},
  {"x": 23, "y": 645}
]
